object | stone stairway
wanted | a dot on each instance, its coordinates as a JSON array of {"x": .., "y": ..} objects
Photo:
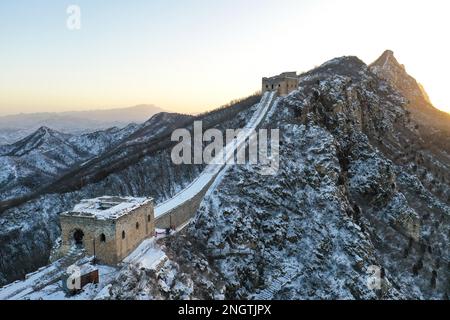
[
  {"x": 181, "y": 207},
  {"x": 275, "y": 286},
  {"x": 72, "y": 256}
]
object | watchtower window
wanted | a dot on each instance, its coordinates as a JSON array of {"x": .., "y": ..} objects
[
  {"x": 267, "y": 86},
  {"x": 137, "y": 225},
  {"x": 102, "y": 238},
  {"x": 272, "y": 86},
  {"x": 279, "y": 85},
  {"x": 149, "y": 218},
  {"x": 123, "y": 234}
]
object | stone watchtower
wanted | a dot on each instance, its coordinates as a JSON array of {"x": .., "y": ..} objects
[
  {"x": 109, "y": 227},
  {"x": 284, "y": 83}
]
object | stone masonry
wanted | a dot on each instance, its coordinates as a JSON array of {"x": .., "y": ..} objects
[
  {"x": 108, "y": 227},
  {"x": 284, "y": 83}
]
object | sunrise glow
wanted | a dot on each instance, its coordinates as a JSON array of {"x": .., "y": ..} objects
[{"x": 191, "y": 56}]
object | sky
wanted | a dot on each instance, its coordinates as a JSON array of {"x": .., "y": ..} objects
[{"x": 195, "y": 55}]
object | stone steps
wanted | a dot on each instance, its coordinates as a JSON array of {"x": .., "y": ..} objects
[
  {"x": 275, "y": 286},
  {"x": 73, "y": 255},
  {"x": 47, "y": 275}
]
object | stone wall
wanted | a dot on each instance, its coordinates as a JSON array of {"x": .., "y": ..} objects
[
  {"x": 92, "y": 230},
  {"x": 117, "y": 246},
  {"x": 114, "y": 248},
  {"x": 181, "y": 214},
  {"x": 133, "y": 234}
]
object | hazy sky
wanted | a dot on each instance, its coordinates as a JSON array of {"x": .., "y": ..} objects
[{"x": 194, "y": 55}]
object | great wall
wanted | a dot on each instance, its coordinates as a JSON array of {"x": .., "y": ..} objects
[{"x": 174, "y": 213}]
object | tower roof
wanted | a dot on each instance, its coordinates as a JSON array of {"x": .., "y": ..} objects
[
  {"x": 284, "y": 75},
  {"x": 107, "y": 207}
]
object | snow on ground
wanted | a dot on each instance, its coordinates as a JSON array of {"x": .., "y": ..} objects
[
  {"x": 56, "y": 292},
  {"x": 147, "y": 255},
  {"x": 25, "y": 286}
]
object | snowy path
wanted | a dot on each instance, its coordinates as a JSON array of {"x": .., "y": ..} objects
[{"x": 219, "y": 161}]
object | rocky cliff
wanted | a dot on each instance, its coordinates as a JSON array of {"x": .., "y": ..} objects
[{"x": 359, "y": 189}]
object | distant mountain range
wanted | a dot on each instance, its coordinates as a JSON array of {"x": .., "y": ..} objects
[
  {"x": 47, "y": 153},
  {"x": 16, "y": 127}
]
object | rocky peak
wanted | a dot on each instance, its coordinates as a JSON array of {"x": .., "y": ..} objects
[
  {"x": 388, "y": 68},
  {"x": 45, "y": 131},
  {"x": 347, "y": 66},
  {"x": 46, "y": 134},
  {"x": 43, "y": 138},
  {"x": 388, "y": 58},
  {"x": 346, "y": 197}
]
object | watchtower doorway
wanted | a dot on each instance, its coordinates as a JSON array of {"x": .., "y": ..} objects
[{"x": 78, "y": 236}]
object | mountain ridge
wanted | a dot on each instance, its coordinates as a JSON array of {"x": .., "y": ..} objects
[
  {"x": 16, "y": 127},
  {"x": 434, "y": 123},
  {"x": 360, "y": 185}
]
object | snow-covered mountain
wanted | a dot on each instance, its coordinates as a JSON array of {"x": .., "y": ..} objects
[
  {"x": 363, "y": 183},
  {"x": 45, "y": 154},
  {"x": 139, "y": 165},
  {"x": 16, "y": 127},
  {"x": 387, "y": 67},
  {"x": 358, "y": 188}
]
